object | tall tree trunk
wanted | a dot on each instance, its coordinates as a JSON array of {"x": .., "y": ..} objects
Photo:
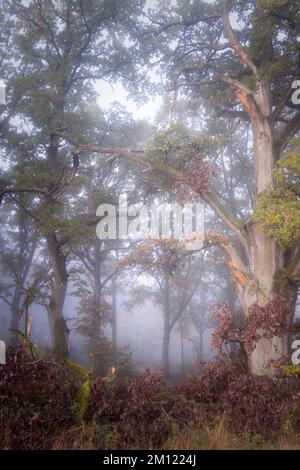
[
  {"x": 200, "y": 350},
  {"x": 165, "y": 350},
  {"x": 266, "y": 258},
  {"x": 16, "y": 314},
  {"x": 182, "y": 347},
  {"x": 266, "y": 261},
  {"x": 97, "y": 293},
  {"x": 26, "y": 250},
  {"x": 114, "y": 324},
  {"x": 114, "y": 317},
  {"x": 57, "y": 324},
  {"x": 167, "y": 329}
]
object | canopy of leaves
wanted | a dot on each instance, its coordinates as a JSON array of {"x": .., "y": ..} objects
[
  {"x": 178, "y": 148},
  {"x": 278, "y": 210}
]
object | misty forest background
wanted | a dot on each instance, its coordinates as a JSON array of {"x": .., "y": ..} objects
[
  {"x": 55, "y": 59},
  {"x": 169, "y": 101}
]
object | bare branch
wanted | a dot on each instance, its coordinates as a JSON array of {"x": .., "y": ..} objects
[
  {"x": 235, "y": 44},
  {"x": 116, "y": 152},
  {"x": 19, "y": 191}
]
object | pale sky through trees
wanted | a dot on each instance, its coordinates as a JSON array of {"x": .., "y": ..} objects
[
  {"x": 109, "y": 93},
  {"x": 116, "y": 92}
]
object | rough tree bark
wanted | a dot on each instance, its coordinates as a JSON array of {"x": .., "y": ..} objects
[
  {"x": 265, "y": 257},
  {"x": 256, "y": 278},
  {"x": 58, "y": 328}
]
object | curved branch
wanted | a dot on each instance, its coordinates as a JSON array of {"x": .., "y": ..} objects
[
  {"x": 228, "y": 218},
  {"x": 235, "y": 262},
  {"x": 236, "y": 84},
  {"x": 232, "y": 222}
]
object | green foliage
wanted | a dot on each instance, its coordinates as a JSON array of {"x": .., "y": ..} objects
[
  {"x": 249, "y": 81},
  {"x": 105, "y": 436},
  {"x": 188, "y": 155},
  {"x": 82, "y": 400},
  {"x": 272, "y": 69},
  {"x": 103, "y": 359},
  {"x": 278, "y": 210},
  {"x": 56, "y": 217},
  {"x": 78, "y": 368},
  {"x": 177, "y": 147},
  {"x": 291, "y": 370}
]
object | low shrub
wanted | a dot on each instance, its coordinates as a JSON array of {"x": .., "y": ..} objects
[
  {"x": 35, "y": 399},
  {"x": 41, "y": 401},
  {"x": 145, "y": 411},
  {"x": 255, "y": 404}
]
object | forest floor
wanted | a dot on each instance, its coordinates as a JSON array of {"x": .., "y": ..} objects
[
  {"x": 217, "y": 437},
  {"x": 47, "y": 404}
]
